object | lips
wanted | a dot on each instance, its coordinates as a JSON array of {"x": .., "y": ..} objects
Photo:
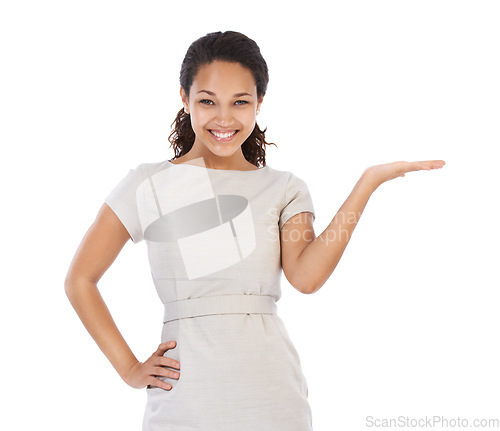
[{"x": 227, "y": 135}]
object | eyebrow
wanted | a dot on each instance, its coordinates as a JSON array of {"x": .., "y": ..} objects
[{"x": 213, "y": 94}]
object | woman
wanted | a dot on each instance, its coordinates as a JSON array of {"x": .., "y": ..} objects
[{"x": 220, "y": 225}]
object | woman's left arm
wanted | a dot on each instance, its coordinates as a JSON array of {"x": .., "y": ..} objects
[{"x": 307, "y": 260}]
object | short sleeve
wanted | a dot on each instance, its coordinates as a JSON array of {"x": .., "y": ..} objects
[
  {"x": 123, "y": 201},
  {"x": 297, "y": 200}
]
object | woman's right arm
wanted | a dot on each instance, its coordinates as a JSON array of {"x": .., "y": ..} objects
[{"x": 97, "y": 251}]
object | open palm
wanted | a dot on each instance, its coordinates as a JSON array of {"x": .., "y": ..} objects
[{"x": 379, "y": 174}]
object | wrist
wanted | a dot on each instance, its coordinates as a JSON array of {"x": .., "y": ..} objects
[
  {"x": 125, "y": 374},
  {"x": 369, "y": 181}
]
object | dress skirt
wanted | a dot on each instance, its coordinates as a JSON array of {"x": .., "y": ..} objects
[{"x": 238, "y": 369}]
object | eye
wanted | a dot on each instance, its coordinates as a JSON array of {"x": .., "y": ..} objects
[{"x": 209, "y": 102}]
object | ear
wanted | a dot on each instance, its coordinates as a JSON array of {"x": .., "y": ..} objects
[
  {"x": 259, "y": 102},
  {"x": 184, "y": 97}
]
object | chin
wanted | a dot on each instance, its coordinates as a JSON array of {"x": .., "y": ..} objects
[{"x": 224, "y": 152}]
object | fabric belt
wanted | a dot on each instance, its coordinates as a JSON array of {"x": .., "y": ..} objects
[{"x": 219, "y": 304}]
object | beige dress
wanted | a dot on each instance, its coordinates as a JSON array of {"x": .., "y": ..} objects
[{"x": 213, "y": 245}]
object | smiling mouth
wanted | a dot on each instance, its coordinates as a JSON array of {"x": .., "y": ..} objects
[{"x": 223, "y": 136}]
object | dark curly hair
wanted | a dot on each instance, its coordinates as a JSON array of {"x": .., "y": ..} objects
[{"x": 229, "y": 46}]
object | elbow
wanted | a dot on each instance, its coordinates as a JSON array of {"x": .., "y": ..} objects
[
  {"x": 302, "y": 282},
  {"x": 67, "y": 284},
  {"x": 77, "y": 283},
  {"x": 68, "y": 287},
  {"x": 305, "y": 285},
  {"x": 73, "y": 285},
  {"x": 310, "y": 289},
  {"x": 70, "y": 282},
  {"x": 307, "y": 289}
]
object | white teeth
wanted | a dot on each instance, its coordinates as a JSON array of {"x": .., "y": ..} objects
[{"x": 222, "y": 135}]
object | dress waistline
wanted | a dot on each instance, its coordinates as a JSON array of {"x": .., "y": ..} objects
[{"x": 219, "y": 304}]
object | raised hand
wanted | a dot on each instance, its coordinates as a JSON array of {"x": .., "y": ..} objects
[
  {"x": 379, "y": 174},
  {"x": 144, "y": 374}
]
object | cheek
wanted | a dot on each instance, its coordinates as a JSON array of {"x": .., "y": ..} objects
[
  {"x": 198, "y": 119},
  {"x": 248, "y": 119}
]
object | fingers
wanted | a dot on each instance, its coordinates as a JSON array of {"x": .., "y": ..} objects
[
  {"x": 426, "y": 165},
  {"x": 165, "y": 372},
  {"x": 168, "y": 362},
  {"x": 160, "y": 363},
  {"x": 437, "y": 164},
  {"x": 432, "y": 164},
  {"x": 159, "y": 384},
  {"x": 163, "y": 347}
]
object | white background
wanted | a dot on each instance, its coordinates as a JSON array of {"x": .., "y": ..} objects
[{"x": 407, "y": 325}]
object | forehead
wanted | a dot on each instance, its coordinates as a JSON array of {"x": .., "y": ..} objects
[{"x": 224, "y": 77}]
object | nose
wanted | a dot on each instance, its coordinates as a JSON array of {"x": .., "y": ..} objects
[{"x": 223, "y": 117}]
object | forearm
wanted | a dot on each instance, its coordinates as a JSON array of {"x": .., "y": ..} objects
[
  {"x": 94, "y": 314},
  {"x": 321, "y": 256}
]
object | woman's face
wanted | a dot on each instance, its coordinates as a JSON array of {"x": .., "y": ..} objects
[{"x": 223, "y": 99}]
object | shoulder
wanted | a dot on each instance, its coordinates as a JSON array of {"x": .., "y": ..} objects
[
  {"x": 287, "y": 174},
  {"x": 150, "y": 168},
  {"x": 290, "y": 180},
  {"x": 281, "y": 176}
]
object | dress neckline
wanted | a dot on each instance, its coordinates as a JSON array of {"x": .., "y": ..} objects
[{"x": 216, "y": 170}]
